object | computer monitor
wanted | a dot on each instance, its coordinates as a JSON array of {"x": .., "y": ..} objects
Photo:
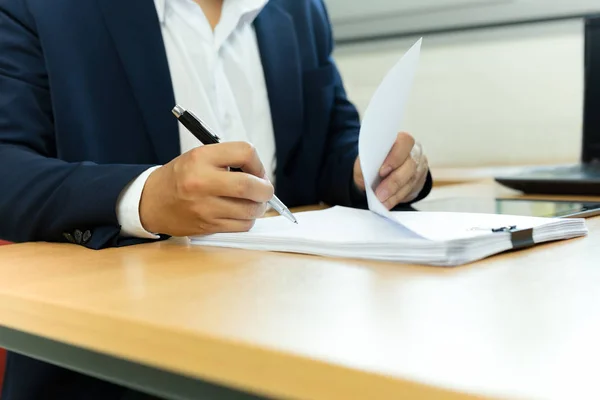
[
  {"x": 584, "y": 177},
  {"x": 591, "y": 105}
]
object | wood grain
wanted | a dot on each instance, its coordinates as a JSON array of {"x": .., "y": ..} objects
[
  {"x": 443, "y": 176},
  {"x": 521, "y": 324}
]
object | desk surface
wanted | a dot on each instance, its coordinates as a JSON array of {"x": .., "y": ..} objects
[
  {"x": 450, "y": 176},
  {"x": 522, "y": 324}
]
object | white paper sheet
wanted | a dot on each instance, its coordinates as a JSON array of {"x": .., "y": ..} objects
[
  {"x": 445, "y": 226},
  {"x": 440, "y": 238},
  {"x": 336, "y": 224},
  {"x": 383, "y": 120}
]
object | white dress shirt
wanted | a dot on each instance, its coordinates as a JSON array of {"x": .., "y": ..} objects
[{"x": 217, "y": 75}]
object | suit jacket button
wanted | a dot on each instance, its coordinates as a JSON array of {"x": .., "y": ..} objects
[
  {"x": 69, "y": 237},
  {"x": 87, "y": 235},
  {"x": 78, "y": 235}
]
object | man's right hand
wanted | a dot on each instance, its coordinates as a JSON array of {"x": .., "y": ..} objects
[{"x": 196, "y": 194}]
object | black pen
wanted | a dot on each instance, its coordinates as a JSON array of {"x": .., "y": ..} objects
[{"x": 204, "y": 135}]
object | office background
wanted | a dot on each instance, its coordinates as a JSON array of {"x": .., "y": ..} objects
[{"x": 507, "y": 93}]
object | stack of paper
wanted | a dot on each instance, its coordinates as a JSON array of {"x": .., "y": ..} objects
[
  {"x": 434, "y": 238},
  {"x": 378, "y": 234}
]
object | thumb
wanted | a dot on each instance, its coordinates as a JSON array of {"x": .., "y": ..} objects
[{"x": 357, "y": 174}]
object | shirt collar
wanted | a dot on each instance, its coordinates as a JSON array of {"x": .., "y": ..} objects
[
  {"x": 249, "y": 9},
  {"x": 160, "y": 9}
]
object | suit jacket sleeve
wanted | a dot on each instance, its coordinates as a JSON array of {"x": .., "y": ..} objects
[
  {"x": 336, "y": 184},
  {"x": 41, "y": 197}
]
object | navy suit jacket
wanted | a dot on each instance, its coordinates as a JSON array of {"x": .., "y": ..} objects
[{"x": 85, "y": 100}]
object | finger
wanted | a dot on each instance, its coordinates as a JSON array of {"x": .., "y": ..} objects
[
  {"x": 396, "y": 180},
  {"x": 235, "y": 155},
  {"x": 400, "y": 196},
  {"x": 398, "y": 154},
  {"x": 240, "y": 209},
  {"x": 357, "y": 175},
  {"x": 241, "y": 185},
  {"x": 199, "y": 183},
  {"x": 420, "y": 183},
  {"x": 233, "y": 225}
]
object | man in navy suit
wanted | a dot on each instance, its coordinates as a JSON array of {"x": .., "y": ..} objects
[{"x": 90, "y": 153}]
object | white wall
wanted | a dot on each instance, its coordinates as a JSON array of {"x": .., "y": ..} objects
[
  {"x": 503, "y": 96},
  {"x": 358, "y": 18}
]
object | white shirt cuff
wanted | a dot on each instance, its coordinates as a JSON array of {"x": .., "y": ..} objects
[{"x": 128, "y": 208}]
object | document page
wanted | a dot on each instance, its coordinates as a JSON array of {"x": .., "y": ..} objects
[
  {"x": 383, "y": 120},
  {"x": 333, "y": 225},
  {"x": 445, "y": 226}
]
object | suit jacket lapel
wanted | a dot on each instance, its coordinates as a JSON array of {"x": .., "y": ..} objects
[
  {"x": 136, "y": 33},
  {"x": 280, "y": 57}
]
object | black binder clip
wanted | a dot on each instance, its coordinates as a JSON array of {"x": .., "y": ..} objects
[{"x": 520, "y": 239}]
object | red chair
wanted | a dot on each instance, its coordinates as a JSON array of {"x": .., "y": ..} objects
[
  {"x": 2, "y": 351},
  {"x": 2, "y": 366}
]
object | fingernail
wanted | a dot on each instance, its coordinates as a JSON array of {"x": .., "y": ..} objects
[
  {"x": 386, "y": 169},
  {"x": 383, "y": 195}
]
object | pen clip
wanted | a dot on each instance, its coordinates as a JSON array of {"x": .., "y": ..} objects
[{"x": 205, "y": 126}]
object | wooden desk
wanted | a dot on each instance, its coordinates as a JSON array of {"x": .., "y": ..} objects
[
  {"x": 185, "y": 321},
  {"x": 452, "y": 176}
]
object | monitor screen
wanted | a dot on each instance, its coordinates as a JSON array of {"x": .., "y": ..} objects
[{"x": 591, "y": 113}]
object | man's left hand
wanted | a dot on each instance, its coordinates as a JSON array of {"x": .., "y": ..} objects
[{"x": 403, "y": 173}]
